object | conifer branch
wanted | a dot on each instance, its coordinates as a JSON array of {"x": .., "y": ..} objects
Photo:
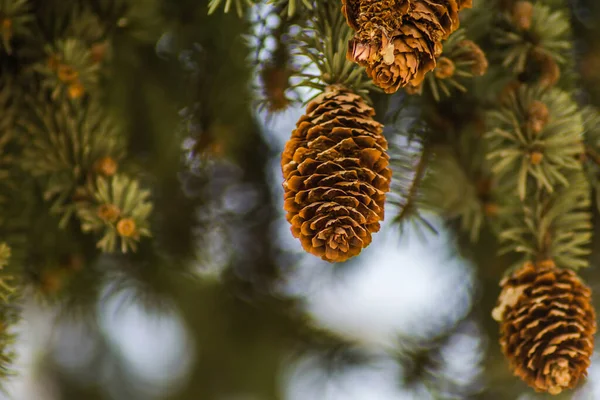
[
  {"x": 409, "y": 164},
  {"x": 593, "y": 155},
  {"x": 461, "y": 61},
  {"x": 64, "y": 146},
  {"x": 291, "y": 8},
  {"x": 15, "y": 22},
  {"x": 556, "y": 226},
  {"x": 323, "y": 43},
  {"x": 69, "y": 69},
  {"x": 240, "y": 6},
  {"x": 453, "y": 198},
  {"x": 411, "y": 196},
  {"x": 118, "y": 210},
  {"x": 277, "y": 65},
  {"x": 9, "y": 315},
  {"x": 544, "y": 32},
  {"x": 538, "y": 133}
]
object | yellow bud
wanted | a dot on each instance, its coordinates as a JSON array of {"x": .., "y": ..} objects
[
  {"x": 76, "y": 90},
  {"x": 108, "y": 212},
  {"x": 126, "y": 227},
  {"x": 536, "y": 157},
  {"x": 66, "y": 73},
  {"x": 445, "y": 68},
  {"x": 106, "y": 166}
]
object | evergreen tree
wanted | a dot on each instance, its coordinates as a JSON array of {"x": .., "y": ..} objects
[{"x": 131, "y": 127}]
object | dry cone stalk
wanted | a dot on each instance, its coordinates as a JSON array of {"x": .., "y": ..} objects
[
  {"x": 547, "y": 326},
  {"x": 336, "y": 175},
  {"x": 398, "y": 41}
]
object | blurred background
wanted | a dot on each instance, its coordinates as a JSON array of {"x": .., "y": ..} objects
[{"x": 237, "y": 310}]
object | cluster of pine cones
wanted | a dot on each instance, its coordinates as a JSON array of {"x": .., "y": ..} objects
[
  {"x": 336, "y": 176},
  {"x": 335, "y": 165}
]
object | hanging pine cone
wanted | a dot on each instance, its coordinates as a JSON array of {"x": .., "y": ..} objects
[
  {"x": 336, "y": 175},
  {"x": 547, "y": 324},
  {"x": 398, "y": 41}
]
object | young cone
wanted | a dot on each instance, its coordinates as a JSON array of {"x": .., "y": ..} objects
[
  {"x": 398, "y": 41},
  {"x": 336, "y": 175},
  {"x": 547, "y": 326}
]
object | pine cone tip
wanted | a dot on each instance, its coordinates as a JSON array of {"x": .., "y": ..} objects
[{"x": 559, "y": 375}]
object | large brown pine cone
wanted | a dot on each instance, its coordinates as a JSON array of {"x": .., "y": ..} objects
[
  {"x": 398, "y": 41},
  {"x": 336, "y": 175},
  {"x": 547, "y": 326}
]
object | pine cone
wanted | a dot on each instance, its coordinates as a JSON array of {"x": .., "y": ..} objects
[
  {"x": 398, "y": 41},
  {"x": 336, "y": 174},
  {"x": 547, "y": 324}
]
